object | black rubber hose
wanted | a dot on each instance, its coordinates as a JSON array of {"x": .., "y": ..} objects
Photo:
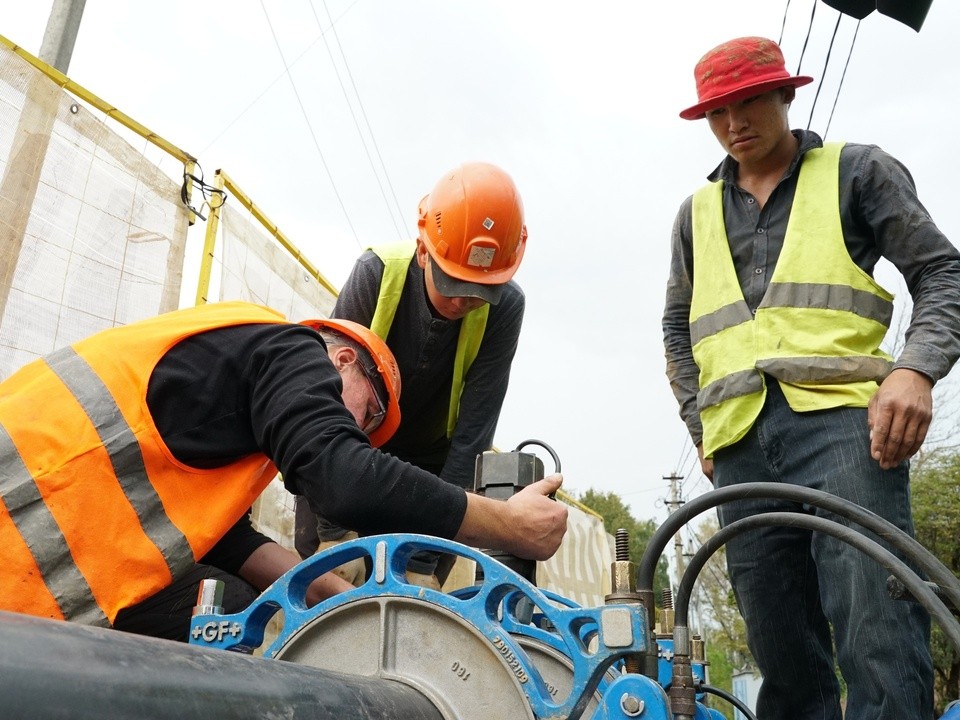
[
  {"x": 541, "y": 443},
  {"x": 918, "y": 588},
  {"x": 732, "y": 699},
  {"x": 900, "y": 540}
]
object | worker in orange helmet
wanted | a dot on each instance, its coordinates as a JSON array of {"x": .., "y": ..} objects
[
  {"x": 130, "y": 460},
  {"x": 448, "y": 308}
]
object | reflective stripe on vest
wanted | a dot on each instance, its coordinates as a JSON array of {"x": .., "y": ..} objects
[
  {"x": 94, "y": 513},
  {"x": 396, "y": 259},
  {"x": 817, "y": 330}
]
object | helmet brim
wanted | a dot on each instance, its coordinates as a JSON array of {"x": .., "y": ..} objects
[{"x": 452, "y": 287}]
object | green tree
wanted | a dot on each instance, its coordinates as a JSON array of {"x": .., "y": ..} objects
[
  {"x": 935, "y": 489},
  {"x": 617, "y": 516}
]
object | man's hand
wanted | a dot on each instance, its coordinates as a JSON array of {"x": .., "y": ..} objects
[
  {"x": 529, "y": 525},
  {"x": 899, "y": 416},
  {"x": 706, "y": 464}
]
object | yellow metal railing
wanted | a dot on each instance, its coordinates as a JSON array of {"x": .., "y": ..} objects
[
  {"x": 225, "y": 183},
  {"x": 222, "y": 180},
  {"x": 109, "y": 110}
]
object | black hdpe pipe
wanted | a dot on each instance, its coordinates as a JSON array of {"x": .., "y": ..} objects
[
  {"x": 900, "y": 540},
  {"x": 920, "y": 590},
  {"x": 51, "y": 669}
]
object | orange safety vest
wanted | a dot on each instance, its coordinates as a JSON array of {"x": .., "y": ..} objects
[{"x": 95, "y": 513}]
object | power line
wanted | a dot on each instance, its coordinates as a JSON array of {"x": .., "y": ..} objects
[
  {"x": 271, "y": 84},
  {"x": 316, "y": 142},
  {"x": 844, "y": 75},
  {"x": 364, "y": 113},
  {"x": 684, "y": 452},
  {"x": 807, "y": 39},
  {"x": 253, "y": 102},
  {"x": 823, "y": 74},
  {"x": 346, "y": 97},
  {"x": 783, "y": 25}
]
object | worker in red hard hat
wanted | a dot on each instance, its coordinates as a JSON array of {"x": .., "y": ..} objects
[
  {"x": 773, "y": 326},
  {"x": 447, "y": 306},
  {"x": 130, "y": 460}
]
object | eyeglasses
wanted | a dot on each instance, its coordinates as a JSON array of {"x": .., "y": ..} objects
[{"x": 376, "y": 419}]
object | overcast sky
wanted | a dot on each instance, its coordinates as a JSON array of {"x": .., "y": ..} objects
[{"x": 577, "y": 101}]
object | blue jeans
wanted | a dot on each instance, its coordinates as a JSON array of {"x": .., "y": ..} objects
[{"x": 793, "y": 585}]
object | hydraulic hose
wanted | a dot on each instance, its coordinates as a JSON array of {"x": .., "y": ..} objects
[
  {"x": 682, "y": 691},
  {"x": 732, "y": 699},
  {"x": 899, "y": 539},
  {"x": 913, "y": 582},
  {"x": 541, "y": 443}
]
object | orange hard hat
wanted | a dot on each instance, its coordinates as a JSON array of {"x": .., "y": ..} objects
[
  {"x": 472, "y": 225},
  {"x": 387, "y": 368}
]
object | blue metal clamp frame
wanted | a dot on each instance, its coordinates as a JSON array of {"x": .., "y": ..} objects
[
  {"x": 620, "y": 630},
  {"x": 537, "y": 632},
  {"x": 637, "y": 696}
]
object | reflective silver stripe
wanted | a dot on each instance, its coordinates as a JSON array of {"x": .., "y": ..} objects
[
  {"x": 742, "y": 382},
  {"x": 40, "y": 531},
  {"x": 803, "y": 370},
  {"x": 735, "y": 313},
  {"x": 829, "y": 297},
  {"x": 125, "y": 455},
  {"x": 827, "y": 370}
]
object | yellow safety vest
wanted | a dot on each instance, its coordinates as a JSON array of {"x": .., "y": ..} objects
[
  {"x": 396, "y": 259},
  {"x": 95, "y": 513},
  {"x": 817, "y": 330}
]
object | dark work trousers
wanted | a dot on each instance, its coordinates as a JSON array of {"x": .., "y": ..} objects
[{"x": 795, "y": 586}]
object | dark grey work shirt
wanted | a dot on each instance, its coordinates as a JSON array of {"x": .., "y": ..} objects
[
  {"x": 881, "y": 216},
  {"x": 425, "y": 345}
]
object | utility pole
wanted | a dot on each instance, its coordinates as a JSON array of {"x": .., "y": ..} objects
[
  {"x": 61, "y": 33},
  {"x": 21, "y": 177},
  {"x": 674, "y": 504}
]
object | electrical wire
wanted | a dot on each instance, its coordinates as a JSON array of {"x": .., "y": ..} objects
[
  {"x": 207, "y": 191},
  {"x": 316, "y": 142},
  {"x": 823, "y": 74},
  {"x": 684, "y": 452},
  {"x": 271, "y": 84},
  {"x": 784, "y": 24},
  {"x": 807, "y": 38},
  {"x": 390, "y": 208},
  {"x": 253, "y": 102},
  {"x": 844, "y": 75},
  {"x": 717, "y": 578},
  {"x": 363, "y": 112}
]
